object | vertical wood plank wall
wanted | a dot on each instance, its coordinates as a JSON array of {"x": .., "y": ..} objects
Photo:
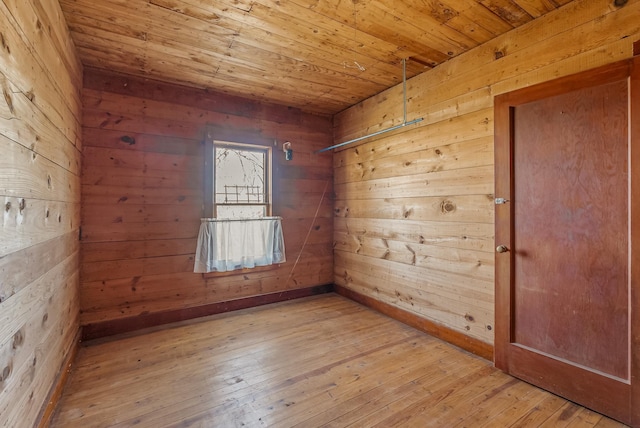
[
  {"x": 40, "y": 107},
  {"x": 142, "y": 190},
  {"x": 414, "y": 209}
]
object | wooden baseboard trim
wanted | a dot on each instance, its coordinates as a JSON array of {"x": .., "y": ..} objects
[
  {"x": 49, "y": 407},
  {"x": 129, "y": 324},
  {"x": 460, "y": 340}
]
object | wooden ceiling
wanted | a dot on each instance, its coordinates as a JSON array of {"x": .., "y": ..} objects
[{"x": 317, "y": 55}]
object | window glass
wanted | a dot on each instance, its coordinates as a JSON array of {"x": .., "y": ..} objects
[{"x": 241, "y": 181}]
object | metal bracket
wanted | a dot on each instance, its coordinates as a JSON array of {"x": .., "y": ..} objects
[{"x": 500, "y": 201}]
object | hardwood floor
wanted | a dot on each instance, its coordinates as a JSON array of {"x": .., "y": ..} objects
[{"x": 319, "y": 361}]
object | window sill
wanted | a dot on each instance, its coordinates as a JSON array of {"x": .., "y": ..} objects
[{"x": 241, "y": 271}]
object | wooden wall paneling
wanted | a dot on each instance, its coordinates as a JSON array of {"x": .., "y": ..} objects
[
  {"x": 54, "y": 98},
  {"x": 39, "y": 178},
  {"x": 422, "y": 275},
  {"x": 442, "y": 183},
  {"x": 151, "y": 281},
  {"x": 103, "y": 251},
  {"x": 141, "y": 142},
  {"x": 474, "y": 236},
  {"x": 52, "y": 315},
  {"x": 458, "y": 315},
  {"x": 449, "y": 157},
  {"x": 462, "y": 208},
  {"x": 531, "y": 50},
  {"x": 31, "y": 128},
  {"x": 146, "y": 125},
  {"x": 46, "y": 30},
  {"x": 465, "y": 154},
  {"x": 46, "y": 323},
  {"x": 40, "y": 188},
  {"x": 241, "y": 111},
  {"x": 142, "y": 296},
  {"x": 472, "y": 263},
  {"x": 37, "y": 222},
  {"x": 143, "y": 197},
  {"x": 469, "y": 126},
  {"x": 21, "y": 268}
]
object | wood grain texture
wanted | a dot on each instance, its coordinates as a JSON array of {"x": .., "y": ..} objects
[
  {"x": 143, "y": 193},
  {"x": 589, "y": 192},
  {"x": 40, "y": 144},
  {"x": 423, "y": 194},
  {"x": 588, "y": 272},
  {"x": 317, "y": 55},
  {"x": 318, "y": 361},
  {"x": 461, "y": 340},
  {"x": 126, "y": 325},
  {"x": 55, "y": 394}
]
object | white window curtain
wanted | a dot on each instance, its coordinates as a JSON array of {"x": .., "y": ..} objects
[{"x": 225, "y": 245}]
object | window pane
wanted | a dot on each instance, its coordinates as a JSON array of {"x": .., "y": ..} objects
[
  {"x": 239, "y": 176},
  {"x": 240, "y": 180},
  {"x": 241, "y": 211}
]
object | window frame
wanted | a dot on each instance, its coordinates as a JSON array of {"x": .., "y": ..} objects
[{"x": 209, "y": 202}]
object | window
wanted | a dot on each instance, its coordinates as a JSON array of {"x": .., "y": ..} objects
[
  {"x": 241, "y": 181},
  {"x": 242, "y": 234}
]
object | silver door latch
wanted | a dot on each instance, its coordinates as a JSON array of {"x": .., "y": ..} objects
[{"x": 500, "y": 201}]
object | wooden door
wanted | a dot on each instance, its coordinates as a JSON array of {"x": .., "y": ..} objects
[{"x": 566, "y": 271}]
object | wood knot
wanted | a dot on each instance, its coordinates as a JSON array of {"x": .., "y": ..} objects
[
  {"x": 128, "y": 140},
  {"x": 447, "y": 206},
  {"x": 7, "y": 206},
  {"x": 619, "y": 3},
  {"x": 18, "y": 339},
  {"x": 498, "y": 54},
  {"x": 23, "y": 204},
  {"x": 8, "y": 100},
  {"x": 4, "y": 44},
  {"x": 469, "y": 318},
  {"x": 6, "y": 372}
]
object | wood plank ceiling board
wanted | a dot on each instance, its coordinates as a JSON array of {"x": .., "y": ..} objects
[{"x": 321, "y": 56}]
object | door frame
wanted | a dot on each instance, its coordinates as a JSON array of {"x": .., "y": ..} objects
[{"x": 513, "y": 359}]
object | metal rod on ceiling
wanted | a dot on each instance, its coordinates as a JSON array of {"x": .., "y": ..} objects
[{"x": 393, "y": 128}]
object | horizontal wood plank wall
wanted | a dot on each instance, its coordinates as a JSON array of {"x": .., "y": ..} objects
[
  {"x": 142, "y": 188},
  {"x": 414, "y": 209},
  {"x": 40, "y": 154}
]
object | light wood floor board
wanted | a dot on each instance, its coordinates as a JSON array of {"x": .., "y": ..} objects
[{"x": 319, "y": 361}]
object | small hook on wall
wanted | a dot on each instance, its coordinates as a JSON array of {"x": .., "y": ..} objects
[{"x": 288, "y": 151}]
